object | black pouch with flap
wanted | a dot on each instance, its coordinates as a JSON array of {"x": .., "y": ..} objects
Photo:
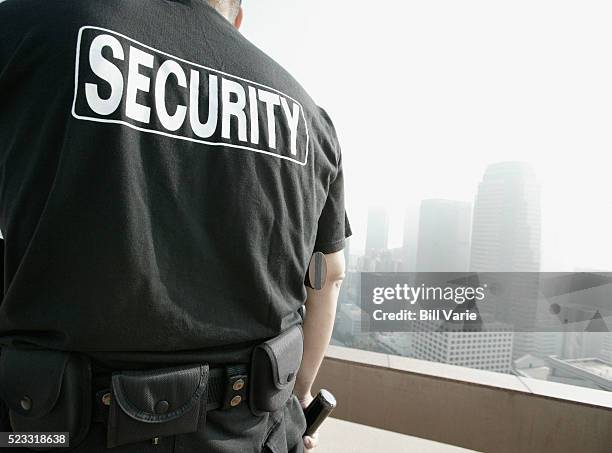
[
  {"x": 47, "y": 391},
  {"x": 274, "y": 366},
  {"x": 157, "y": 403}
]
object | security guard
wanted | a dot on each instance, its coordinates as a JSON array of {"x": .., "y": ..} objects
[{"x": 163, "y": 187}]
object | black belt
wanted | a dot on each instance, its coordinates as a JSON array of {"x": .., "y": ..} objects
[{"x": 227, "y": 388}]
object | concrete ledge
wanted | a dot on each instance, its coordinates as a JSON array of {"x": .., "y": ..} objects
[
  {"x": 474, "y": 409},
  {"x": 571, "y": 393},
  {"x": 340, "y": 436}
]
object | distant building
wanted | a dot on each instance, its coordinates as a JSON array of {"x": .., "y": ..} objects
[
  {"x": 350, "y": 290},
  {"x": 549, "y": 337},
  {"x": 387, "y": 262},
  {"x": 444, "y": 236},
  {"x": 377, "y": 234},
  {"x": 576, "y": 344},
  {"x": 506, "y": 238},
  {"x": 348, "y": 320},
  {"x": 404, "y": 258},
  {"x": 380, "y": 261},
  {"x": 532, "y": 367},
  {"x": 587, "y": 372},
  {"x": 488, "y": 349},
  {"x": 506, "y": 223}
]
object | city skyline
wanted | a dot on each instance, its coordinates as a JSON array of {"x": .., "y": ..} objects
[
  {"x": 402, "y": 224},
  {"x": 473, "y": 224},
  {"x": 465, "y": 93},
  {"x": 500, "y": 232}
]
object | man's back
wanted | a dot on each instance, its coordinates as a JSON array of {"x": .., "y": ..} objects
[{"x": 162, "y": 182}]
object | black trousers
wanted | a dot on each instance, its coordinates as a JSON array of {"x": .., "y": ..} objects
[{"x": 235, "y": 430}]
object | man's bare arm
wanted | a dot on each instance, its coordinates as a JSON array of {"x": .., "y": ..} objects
[{"x": 318, "y": 324}]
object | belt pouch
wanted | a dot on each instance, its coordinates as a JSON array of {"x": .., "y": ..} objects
[
  {"x": 47, "y": 391},
  {"x": 274, "y": 366},
  {"x": 156, "y": 403}
]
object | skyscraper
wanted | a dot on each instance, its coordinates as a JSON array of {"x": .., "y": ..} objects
[
  {"x": 378, "y": 229},
  {"x": 506, "y": 238},
  {"x": 506, "y": 225},
  {"x": 444, "y": 236}
]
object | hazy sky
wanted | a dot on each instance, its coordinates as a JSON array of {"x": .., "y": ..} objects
[{"x": 426, "y": 94}]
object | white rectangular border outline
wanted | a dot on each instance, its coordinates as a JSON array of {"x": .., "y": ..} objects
[{"x": 180, "y": 137}]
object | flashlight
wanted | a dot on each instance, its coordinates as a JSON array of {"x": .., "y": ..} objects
[{"x": 318, "y": 410}]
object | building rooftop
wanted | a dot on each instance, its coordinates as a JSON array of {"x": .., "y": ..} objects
[{"x": 595, "y": 366}]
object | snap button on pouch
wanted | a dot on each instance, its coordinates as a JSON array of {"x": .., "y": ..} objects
[
  {"x": 106, "y": 399},
  {"x": 26, "y": 403},
  {"x": 162, "y": 407}
]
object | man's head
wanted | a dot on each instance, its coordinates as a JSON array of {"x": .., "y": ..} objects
[{"x": 230, "y": 9}]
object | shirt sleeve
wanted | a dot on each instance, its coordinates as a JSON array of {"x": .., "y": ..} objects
[{"x": 334, "y": 227}]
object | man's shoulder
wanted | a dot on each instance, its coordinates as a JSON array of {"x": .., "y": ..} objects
[
  {"x": 42, "y": 18},
  {"x": 35, "y": 12},
  {"x": 273, "y": 73},
  {"x": 34, "y": 23},
  {"x": 277, "y": 76}
]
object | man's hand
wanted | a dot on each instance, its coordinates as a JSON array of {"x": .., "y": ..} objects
[{"x": 310, "y": 442}]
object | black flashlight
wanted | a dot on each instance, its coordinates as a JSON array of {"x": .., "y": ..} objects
[{"x": 318, "y": 410}]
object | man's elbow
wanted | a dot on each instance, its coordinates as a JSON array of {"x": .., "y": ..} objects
[{"x": 336, "y": 268}]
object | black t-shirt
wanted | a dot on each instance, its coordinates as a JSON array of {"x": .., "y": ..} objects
[{"x": 163, "y": 183}]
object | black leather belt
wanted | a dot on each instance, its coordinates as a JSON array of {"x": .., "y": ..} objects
[{"x": 227, "y": 388}]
